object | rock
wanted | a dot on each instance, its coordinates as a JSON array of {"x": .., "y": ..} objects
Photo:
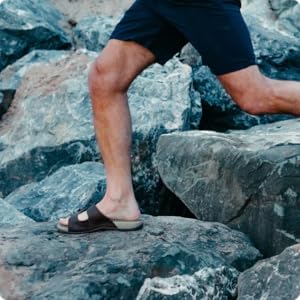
[
  {"x": 243, "y": 178},
  {"x": 93, "y": 33},
  {"x": 77, "y": 10},
  {"x": 276, "y": 278},
  {"x": 68, "y": 190},
  {"x": 208, "y": 283},
  {"x": 287, "y": 12},
  {"x": 114, "y": 265},
  {"x": 49, "y": 124},
  {"x": 9, "y": 215},
  {"x": 11, "y": 76},
  {"x": 27, "y": 25},
  {"x": 278, "y": 56}
]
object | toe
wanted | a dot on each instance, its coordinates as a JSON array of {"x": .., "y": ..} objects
[{"x": 64, "y": 221}]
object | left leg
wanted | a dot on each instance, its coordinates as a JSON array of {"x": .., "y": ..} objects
[{"x": 257, "y": 94}]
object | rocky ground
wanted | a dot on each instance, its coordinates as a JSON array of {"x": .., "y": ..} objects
[{"x": 219, "y": 189}]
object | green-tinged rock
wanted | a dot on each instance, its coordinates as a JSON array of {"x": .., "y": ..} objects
[
  {"x": 26, "y": 25},
  {"x": 68, "y": 190},
  {"x": 43, "y": 264}
]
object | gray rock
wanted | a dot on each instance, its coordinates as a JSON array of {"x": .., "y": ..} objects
[
  {"x": 77, "y": 10},
  {"x": 11, "y": 77},
  {"x": 27, "y": 25},
  {"x": 247, "y": 179},
  {"x": 43, "y": 264},
  {"x": 278, "y": 56},
  {"x": 208, "y": 283},
  {"x": 9, "y": 215},
  {"x": 50, "y": 124},
  {"x": 276, "y": 278},
  {"x": 69, "y": 189},
  {"x": 93, "y": 32},
  {"x": 288, "y": 15}
]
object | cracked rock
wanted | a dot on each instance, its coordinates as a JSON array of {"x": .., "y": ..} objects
[
  {"x": 275, "y": 278},
  {"x": 248, "y": 179}
]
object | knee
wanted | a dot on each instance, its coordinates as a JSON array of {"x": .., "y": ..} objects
[
  {"x": 258, "y": 99},
  {"x": 104, "y": 79}
]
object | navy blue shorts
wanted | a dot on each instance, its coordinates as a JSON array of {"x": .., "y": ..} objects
[{"x": 215, "y": 28}]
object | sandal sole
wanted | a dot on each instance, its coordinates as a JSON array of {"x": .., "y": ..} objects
[{"x": 120, "y": 226}]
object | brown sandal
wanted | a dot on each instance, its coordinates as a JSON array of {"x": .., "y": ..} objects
[{"x": 97, "y": 222}]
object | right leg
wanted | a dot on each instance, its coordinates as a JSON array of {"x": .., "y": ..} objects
[{"x": 110, "y": 76}]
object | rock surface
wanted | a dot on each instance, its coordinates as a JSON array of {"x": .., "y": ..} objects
[
  {"x": 280, "y": 14},
  {"x": 276, "y": 278},
  {"x": 248, "y": 179},
  {"x": 205, "y": 284},
  {"x": 68, "y": 190},
  {"x": 77, "y": 10},
  {"x": 9, "y": 215},
  {"x": 278, "y": 56},
  {"x": 27, "y": 25},
  {"x": 114, "y": 265},
  {"x": 93, "y": 33},
  {"x": 49, "y": 124}
]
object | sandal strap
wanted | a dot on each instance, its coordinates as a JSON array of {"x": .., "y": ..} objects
[{"x": 95, "y": 219}]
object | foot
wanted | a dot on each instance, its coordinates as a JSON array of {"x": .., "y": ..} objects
[{"x": 126, "y": 210}]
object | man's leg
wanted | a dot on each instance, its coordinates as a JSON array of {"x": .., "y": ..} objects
[
  {"x": 257, "y": 94},
  {"x": 110, "y": 76}
]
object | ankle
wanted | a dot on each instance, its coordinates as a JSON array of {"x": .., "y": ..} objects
[{"x": 119, "y": 199}]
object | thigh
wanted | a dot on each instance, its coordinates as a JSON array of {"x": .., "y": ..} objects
[
  {"x": 217, "y": 30},
  {"x": 245, "y": 85}
]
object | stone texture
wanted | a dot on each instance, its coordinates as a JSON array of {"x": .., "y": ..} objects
[
  {"x": 248, "y": 179},
  {"x": 276, "y": 278},
  {"x": 288, "y": 17},
  {"x": 93, "y": 33},
  {"x": 43, "y": 264},
  {"x": 10, "y": 216},
  {"x": 68, "y": 190},
  {"x": 49, "y": 124},
  {"x": 27, "y": 25},
  {"x": 77, "y": 10},
  {"x": 278, "y": 56},
  {"x": 208, "y": 283}
]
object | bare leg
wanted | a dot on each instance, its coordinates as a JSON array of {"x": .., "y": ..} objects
[
  {"x": 110, "y": 76},
  {"x": 257, "y": 94}
]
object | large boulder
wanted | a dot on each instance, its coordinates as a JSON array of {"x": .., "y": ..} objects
[
  {"x": 69, "y": 189},
  {"x": 49, "y": 124},
  {"x": 276, "y": 278},
  {"x": 247, "y": 179},
  {"x": 41, "y": 263},
  {"x": 27, "y": 25},
  {"x": 278, "y": 56}
]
